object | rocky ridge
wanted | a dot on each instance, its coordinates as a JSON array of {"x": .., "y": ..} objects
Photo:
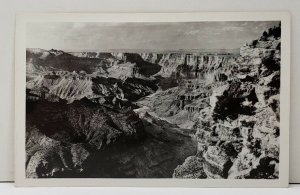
[
  {"x": 55, "y": 85},
  {"x": 61, "y": 138}
]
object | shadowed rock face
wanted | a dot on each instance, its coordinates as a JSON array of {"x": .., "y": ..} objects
[
  {"x": 84, "y": 139},
  {"x": 82, "y": 120},
  {"x": 63, "y": 136},
  {"x": 89, "y": 62},
  {"x": 155, "y": 156}
]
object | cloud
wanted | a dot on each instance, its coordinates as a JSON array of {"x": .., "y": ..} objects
[{"x": 173, "y": 35}]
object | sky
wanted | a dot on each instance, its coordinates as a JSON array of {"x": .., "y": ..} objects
[{"x": 144, "y": 36}]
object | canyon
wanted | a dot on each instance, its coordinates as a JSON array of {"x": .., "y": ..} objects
[{"x": 154, "y": 114}]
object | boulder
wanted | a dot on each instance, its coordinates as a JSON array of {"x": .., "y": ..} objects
[
  {"x": 191, "y": 168},
  {"x": 216, "y": 163},
  {"x": 243, "y": 164}
]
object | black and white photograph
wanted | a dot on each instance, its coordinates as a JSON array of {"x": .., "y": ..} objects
[{"x": 180, "y": 100}]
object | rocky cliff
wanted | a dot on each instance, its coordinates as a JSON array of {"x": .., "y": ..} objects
[
  {"x": 193, "y": 62},
  {"x": 238, "y": 133}
]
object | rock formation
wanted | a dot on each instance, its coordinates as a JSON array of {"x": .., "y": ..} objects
[{"x": 238, "y": 133}]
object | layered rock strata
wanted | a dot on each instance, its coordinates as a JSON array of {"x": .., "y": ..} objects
[{"x": 238, "y": 133}]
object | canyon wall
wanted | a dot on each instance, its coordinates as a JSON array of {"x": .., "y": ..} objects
[{"x": 238, "y": 133}]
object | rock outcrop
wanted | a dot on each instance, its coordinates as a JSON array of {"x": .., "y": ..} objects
[
  {"x": 191, "y": 169},
  {"x": 238, "y": 133}
]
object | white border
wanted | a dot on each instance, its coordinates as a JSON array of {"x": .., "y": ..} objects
[{"x": 20, "y": 85}]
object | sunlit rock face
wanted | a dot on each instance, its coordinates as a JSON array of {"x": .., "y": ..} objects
[
  {"x": 191, "y": 169},
  {"x": 238, "y": 133},
  {"x": 172, "y": 62}
]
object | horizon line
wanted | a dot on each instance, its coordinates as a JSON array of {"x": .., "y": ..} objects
[{"x": 123, "y": 49}]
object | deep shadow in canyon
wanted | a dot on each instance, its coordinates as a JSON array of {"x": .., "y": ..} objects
[{"x": 152, "y": 150}]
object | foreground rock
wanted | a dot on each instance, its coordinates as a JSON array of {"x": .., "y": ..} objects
[
  {"x": 238, "y": 133},
  {"x": 191, "y": 168}
]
